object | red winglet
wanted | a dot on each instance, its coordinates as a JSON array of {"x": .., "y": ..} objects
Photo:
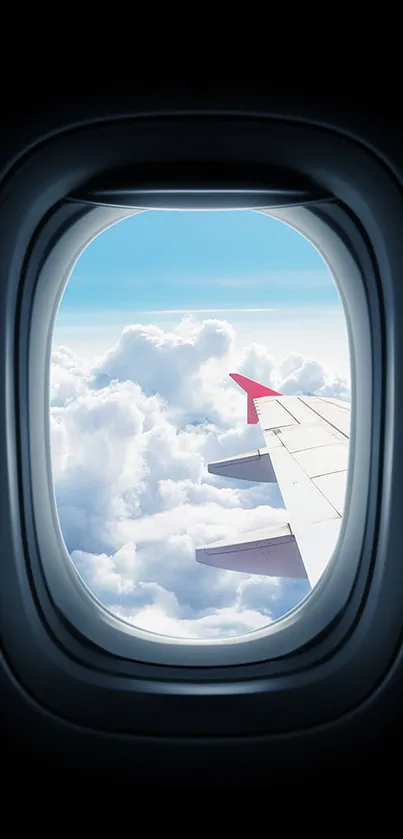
[{"x": 254, "y": 390}]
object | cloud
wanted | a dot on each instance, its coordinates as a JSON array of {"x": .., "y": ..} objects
[
  {"x": 166, "y": 362},
  {"x": 256, "y": 363},
  {"x": 131, "y": 439},
  {"x": 307, "y": 376},
  {"x": 223, "y": 623}
]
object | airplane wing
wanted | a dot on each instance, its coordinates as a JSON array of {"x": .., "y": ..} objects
[{"x": 306, "y": 454}]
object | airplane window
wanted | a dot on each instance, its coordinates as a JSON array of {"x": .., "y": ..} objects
[{"x": 200, "y": 420}]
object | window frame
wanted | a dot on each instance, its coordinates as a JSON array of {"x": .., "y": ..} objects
[{"x": 351, "y": 231}]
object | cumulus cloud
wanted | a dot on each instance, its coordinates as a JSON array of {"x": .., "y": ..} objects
[
  {"x": 131, "y": 439},
  {"x": 168, "y": 363},
  {"x": 256, "y": 363},
  {"x": 306, "y": 376}
]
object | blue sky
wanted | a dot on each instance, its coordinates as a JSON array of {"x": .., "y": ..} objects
[
  {"x": 158, "y": 261},
  {"x": 156, "y": 266}
]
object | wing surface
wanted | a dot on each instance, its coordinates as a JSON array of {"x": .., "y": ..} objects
[
  {"x": 307, "y": 439},
  {"x": 306, "y": 453}
]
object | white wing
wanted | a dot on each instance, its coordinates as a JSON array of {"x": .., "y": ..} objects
[
  {"x": 306, "y": 453},
  {"x": 307, "y": 439}
]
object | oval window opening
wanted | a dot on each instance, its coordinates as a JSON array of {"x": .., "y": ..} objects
[{"x": 195, "y": 503}]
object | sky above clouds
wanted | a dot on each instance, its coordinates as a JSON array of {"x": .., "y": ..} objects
[{"x": 158, "y": 310}]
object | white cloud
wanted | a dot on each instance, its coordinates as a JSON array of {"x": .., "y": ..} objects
[
  {"x": 307, "y": 376},
  {"x": 168, "y": 363},
  {"x": 223, "y": 623},
  {"x": 257, "y": 363},
  {"x": 131, "y": 439}
]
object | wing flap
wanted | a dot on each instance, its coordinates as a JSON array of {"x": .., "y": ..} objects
[
  {"x": 252, "y": 466},
  {"x": 271, "y": 552}
]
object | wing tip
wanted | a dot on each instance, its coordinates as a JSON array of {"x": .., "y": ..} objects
[{"x": 252, "y": 388}]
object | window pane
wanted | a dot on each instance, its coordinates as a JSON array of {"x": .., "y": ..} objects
[{"x": 159, "y": 309}]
